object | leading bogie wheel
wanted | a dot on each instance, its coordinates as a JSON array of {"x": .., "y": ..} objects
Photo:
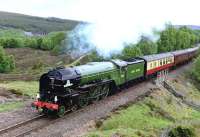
[
  {"x": 61, "y": 111},
  {"x": 45, "y": 111}
]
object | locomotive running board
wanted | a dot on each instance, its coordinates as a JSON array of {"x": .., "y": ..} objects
[{"x": 86, "y": 87}]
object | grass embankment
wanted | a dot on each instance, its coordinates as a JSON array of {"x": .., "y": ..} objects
[
  {"x": 10, "y": 106},
  {"x": 148, "y": 117},
  {"x": 22, "y": 88},
  {"x": 28, "y": 88},
  {"x": 187, "y": 87}
]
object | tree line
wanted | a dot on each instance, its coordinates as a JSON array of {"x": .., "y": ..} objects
[
  {"x": 9, "y": 39},
  {"x": 170, "y": 39},
  {"x": 17, "y": 39}
]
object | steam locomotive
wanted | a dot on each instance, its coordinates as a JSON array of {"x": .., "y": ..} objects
[{"x": 63, "y": 89}]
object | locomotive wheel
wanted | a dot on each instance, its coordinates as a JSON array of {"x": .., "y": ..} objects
[
  {"x": 105, "y": 91},
  {"x": 83, "y": 100},
  {"x": 95, "y": 93},
  {"x": 45, "y": 111},
  {"x": 61, "y": 111},
  {"x": 74, "y": 108}
]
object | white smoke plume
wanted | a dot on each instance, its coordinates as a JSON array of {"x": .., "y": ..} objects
[
  {"x": 106, "y": 38},
  {"x": 115, "y": 22},
  {"x": 77, "y": 41}
]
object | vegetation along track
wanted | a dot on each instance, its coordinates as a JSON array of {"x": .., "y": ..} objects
[
  {"x": 173, "y": 91},
  {"x": 21, "y": 129}
]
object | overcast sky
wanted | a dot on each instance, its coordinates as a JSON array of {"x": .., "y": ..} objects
[{"x": 175, "y": 11}]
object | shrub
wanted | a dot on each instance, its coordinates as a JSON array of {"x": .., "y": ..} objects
[
  {"x": 182, "y": 132},
  {"x": 38, "y": 65},
  {"x": 147, "y": 46},
  {"x": 57, "y": 37},
  {"x": 131, "y": 51},
  {"x": 12, "y": 42},
  {"x": 39, "y": 41},
  {"x": 196, "y": 69},
  {"x": 94, "y": 56},
  {"x": 31, "y": 42},
  {"x": 7, "y": 63},
  {"x": 46, "y": 44},
  {"x": 2, "y": 42}
]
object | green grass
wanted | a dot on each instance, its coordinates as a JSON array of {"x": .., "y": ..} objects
[
  {"x": 10, "y": 106},
  {"x": 165, "y": 103},
  {"x": 128, "y": 132},
  {"x": 29, "y": 88},
  {"x": 134, "y": 117},
  {"x": 146, "y": 118},
  {"x": 187, "y": 87},
  {"x": 134, "y": 121}
]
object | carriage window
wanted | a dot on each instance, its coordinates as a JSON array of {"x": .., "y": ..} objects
[
  {"x": 150, "y": 65},
  {"x": 161, "y": 62},
  {"x": 154, "y": 64},
  {"x": 168, "y": 61}
]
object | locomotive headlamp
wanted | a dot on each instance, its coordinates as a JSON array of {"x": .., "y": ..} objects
[
  {"x": 38, "y": 96},
  {"x": 55, "y": 98}
]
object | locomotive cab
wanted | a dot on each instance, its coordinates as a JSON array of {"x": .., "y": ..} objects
[{"x": 55, "y": 88}]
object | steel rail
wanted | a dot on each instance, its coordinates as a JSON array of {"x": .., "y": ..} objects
[{"x": 7, "y": 129}]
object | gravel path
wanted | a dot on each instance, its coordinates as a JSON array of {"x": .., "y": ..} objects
[{"x": 16, "y": 116}]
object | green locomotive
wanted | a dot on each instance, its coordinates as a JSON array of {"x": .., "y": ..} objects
[{"x": 64, "y": 89}]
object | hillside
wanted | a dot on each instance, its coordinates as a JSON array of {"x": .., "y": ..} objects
[
  {"x": 31, "y": 63},
  {"x": 35, "y": 24}
]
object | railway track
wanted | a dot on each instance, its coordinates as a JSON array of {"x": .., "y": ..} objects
[
  {"x": 26, "y": 127},
  {"x": 22, "y": 128},
  {"x": 7, "y": 130}
]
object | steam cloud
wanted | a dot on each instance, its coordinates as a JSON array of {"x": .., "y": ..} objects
[
  {"x": 115, "y": 23},
  {"x": 107, "y": 38}
]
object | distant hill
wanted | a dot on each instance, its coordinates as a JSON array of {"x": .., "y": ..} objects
[
  {"x": 194, "y": 27},
  {"x": 35, "y": 24}
]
